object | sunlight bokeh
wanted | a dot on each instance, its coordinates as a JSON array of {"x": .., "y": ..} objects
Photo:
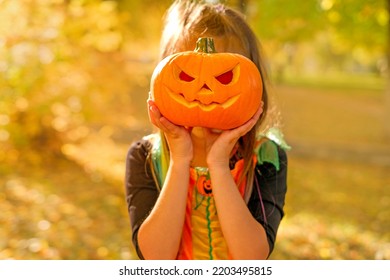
[{"x": 74, "y": 80}]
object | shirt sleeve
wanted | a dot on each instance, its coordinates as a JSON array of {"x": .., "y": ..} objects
[
  {"x": 141, "y": 191},
  {"x": 268, "y": 196},
  {"x": 266, "y": 202}
]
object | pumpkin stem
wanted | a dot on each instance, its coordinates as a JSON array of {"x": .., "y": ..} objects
[{"x": 205, "y": 45}]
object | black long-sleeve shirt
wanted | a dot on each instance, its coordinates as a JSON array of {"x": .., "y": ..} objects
[{"x": 142, "y": 192}]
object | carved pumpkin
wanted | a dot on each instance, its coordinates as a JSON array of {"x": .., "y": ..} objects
[
  {"x": 202, "y": 88},
  {"x": 203, "y": 185}
]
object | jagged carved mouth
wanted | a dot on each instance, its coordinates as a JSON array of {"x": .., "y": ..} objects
[{"x": 180, "y": 98}]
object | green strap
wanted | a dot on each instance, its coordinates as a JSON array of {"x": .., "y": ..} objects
[
  {"x": 275, "y": 135},
  {"x": 209, "y": 229},
  {"x": 268, "y": 150}
]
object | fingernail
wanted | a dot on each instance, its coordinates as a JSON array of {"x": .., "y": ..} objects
[{"x": 154, "y": 109}]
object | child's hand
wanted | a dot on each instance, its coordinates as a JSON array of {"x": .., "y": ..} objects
[
  {"x": 178, "y": 137},
  {"x": 220, "y": 145}
]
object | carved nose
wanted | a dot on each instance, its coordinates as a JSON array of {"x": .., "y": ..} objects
[
  {"x": 205, "y": 95},
  {"x": 206, "y": 87}
]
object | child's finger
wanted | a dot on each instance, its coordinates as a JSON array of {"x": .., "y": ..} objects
[
  {"x": 171, "y": 128},
  {"x": 154, "y": 115},
  {"x": 246, "y": 127}
]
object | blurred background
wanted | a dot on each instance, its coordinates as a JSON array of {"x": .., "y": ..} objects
[{"x": 74, "y": 77}]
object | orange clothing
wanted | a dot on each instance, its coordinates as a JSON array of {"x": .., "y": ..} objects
[{"x": 202, "y": 236}]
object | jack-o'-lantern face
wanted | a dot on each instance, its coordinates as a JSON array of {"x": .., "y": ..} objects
[
  {"x": 215, "y": 90},
  {"x": 204, "y": 186}
]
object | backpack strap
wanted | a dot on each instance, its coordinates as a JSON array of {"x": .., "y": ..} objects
[
  {"x": 267, "y": 151},
  {"x": 158, "y": 159}
]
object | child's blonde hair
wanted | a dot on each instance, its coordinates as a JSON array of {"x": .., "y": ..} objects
[{"x": 185, "y": 22}]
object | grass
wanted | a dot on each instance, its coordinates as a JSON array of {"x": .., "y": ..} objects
[
  {"x": 58, "y": 210},
  {"x": 335, "y": 210},
  {"x": 339, "y": 186},
  {"x": 348, "y": 82}
]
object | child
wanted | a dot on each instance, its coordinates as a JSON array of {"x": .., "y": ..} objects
[{"x": 197, "y": 193}]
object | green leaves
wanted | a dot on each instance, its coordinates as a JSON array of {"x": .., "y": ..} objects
[
  {"x": 356, "y": 21},
  {"x": 317, "y": 37},
  {"x": 288, "y": 21}
]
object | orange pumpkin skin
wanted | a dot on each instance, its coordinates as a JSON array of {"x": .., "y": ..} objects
[
  {"x": 200, "y": 89},
  {"x": 203, "y": 185}
]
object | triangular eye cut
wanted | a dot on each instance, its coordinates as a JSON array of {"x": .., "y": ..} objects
[
  {"x": 185, "y": 77},
  {"x": 225, "y": 78}
]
